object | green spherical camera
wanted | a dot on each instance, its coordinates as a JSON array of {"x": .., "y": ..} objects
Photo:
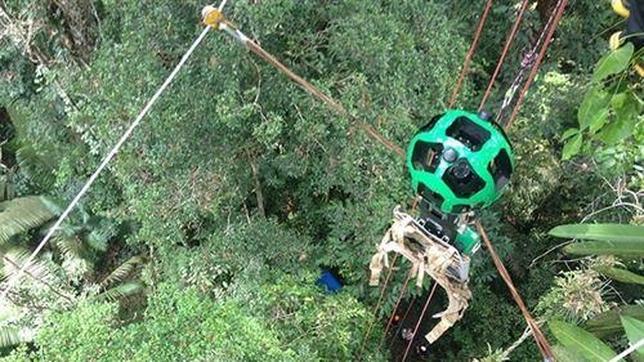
[{"x": 460, "y": 161}]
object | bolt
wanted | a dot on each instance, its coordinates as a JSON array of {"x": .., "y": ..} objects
[
  {"x": 485, "y": 115},
  {"x": 450, "y": 155}
]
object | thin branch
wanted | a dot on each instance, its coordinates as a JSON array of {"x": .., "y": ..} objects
[{"x": 533, "y": 262}]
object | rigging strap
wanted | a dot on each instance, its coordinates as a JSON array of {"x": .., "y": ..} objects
[
  {"x": 470, "y": 53},
  {"x": 504, "y": 53},
  {"x": 219, "y": 22}
]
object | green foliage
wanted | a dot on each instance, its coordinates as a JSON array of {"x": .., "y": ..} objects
[
  {"x": 81, "y": 240},
  {"x": 614, "y": 62},
  {"x": 7, "y": 189},
  {"x": 84, "y": 334},
  {"x": 620, "y": 275},
  {"x": 122, "y": 271},
  {"x": 600, "y": 232},
  {"x": 634, "y": 329},
  {"x": 121, "y": 291},
  {"x": 575, "y": 296},
  {"x": 333, "y": 326},
  {"x": 608, "y": 323},
  {"x": 35, "y": 167},
  {"x": 23, "y": 214},
  {"x": 204, "y": 329},
  {"x": 11, "y": 336},
  {"x": 608, "y": 239},
  {"x": 611, "y": 109},
  {"x": 624, "y": 248},
  {"x": 222, "y": 282},
  {"x": 582, "y": 342},
  {"x": 566, "y": 354}
]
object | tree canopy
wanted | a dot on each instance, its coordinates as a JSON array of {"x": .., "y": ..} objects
[{"x": 204, "y": 238}]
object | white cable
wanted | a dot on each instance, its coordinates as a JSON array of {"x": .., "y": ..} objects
[
  {"x": 628, "y": 350},
  {"x": 12, "y": 281}
]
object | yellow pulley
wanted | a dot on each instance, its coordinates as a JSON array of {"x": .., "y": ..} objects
[{"x": 211, "y": 16}]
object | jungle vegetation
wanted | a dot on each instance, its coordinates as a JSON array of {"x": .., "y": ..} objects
[{"x": 205, "y": 237}]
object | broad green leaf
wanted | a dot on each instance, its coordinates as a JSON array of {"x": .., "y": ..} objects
[
  {"x": 565, "y": 354},
  {"x": 598, "y": 122},
  {"x": 569, "y": 133},
  {"x": 621, "y": 275},
  {"x": 572, "y": 147},
  {"x": 614, "y": 62},
  {"x": 616, "y": 131},
  {"x": 634, "y": 329},
  {"x": 608, "y": 239},
  {"x": 601, "y": 232},
  {"x": 593, "y": 109},
  {"x": 621, "y": 248},
  {"x": 623, "y": 124},
  {"x": 608, "y": 323},
  {"x": 581, "y": 341}
]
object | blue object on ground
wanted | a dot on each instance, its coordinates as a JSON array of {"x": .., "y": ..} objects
[{"x": 329, "y": 281}]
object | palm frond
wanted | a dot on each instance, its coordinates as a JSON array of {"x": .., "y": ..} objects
[
  {"x": 122, "y": 271},
  {"x": 121, "y": 291},
  {"x": 97, "y": 239},
  {"x": 35, "y": 166},
  {"x": 100, "y": 234},
  {"x": 11, "y": 336},
  {"x": 22, "y": 214},
  {"x": 13, "y": 260},
  {"x": 69, "y": 245}
]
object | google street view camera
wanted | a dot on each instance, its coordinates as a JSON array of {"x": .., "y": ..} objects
[{"x": 460, "y": 161}]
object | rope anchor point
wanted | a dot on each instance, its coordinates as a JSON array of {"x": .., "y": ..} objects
[{"x": 211, "y": 16}]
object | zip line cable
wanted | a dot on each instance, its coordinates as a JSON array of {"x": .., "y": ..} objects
[
  {"x": 504, "y": 53},
  {"x": 304, "y": 84},
  {"x": 528, "y": 62},
  {"x": 470, "y": 53},
  {"x": 404, "y": 318},
  {"x": 15, "y": 277},
  {"x": 540, "y": 339},
  {"x": 632, "y": 348},
  {"x": 383, "y": 292},
  {"x": 420, "y": 319},
  {"x": 393, "y": 313},
  {"x": 558, "y": 13}
]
